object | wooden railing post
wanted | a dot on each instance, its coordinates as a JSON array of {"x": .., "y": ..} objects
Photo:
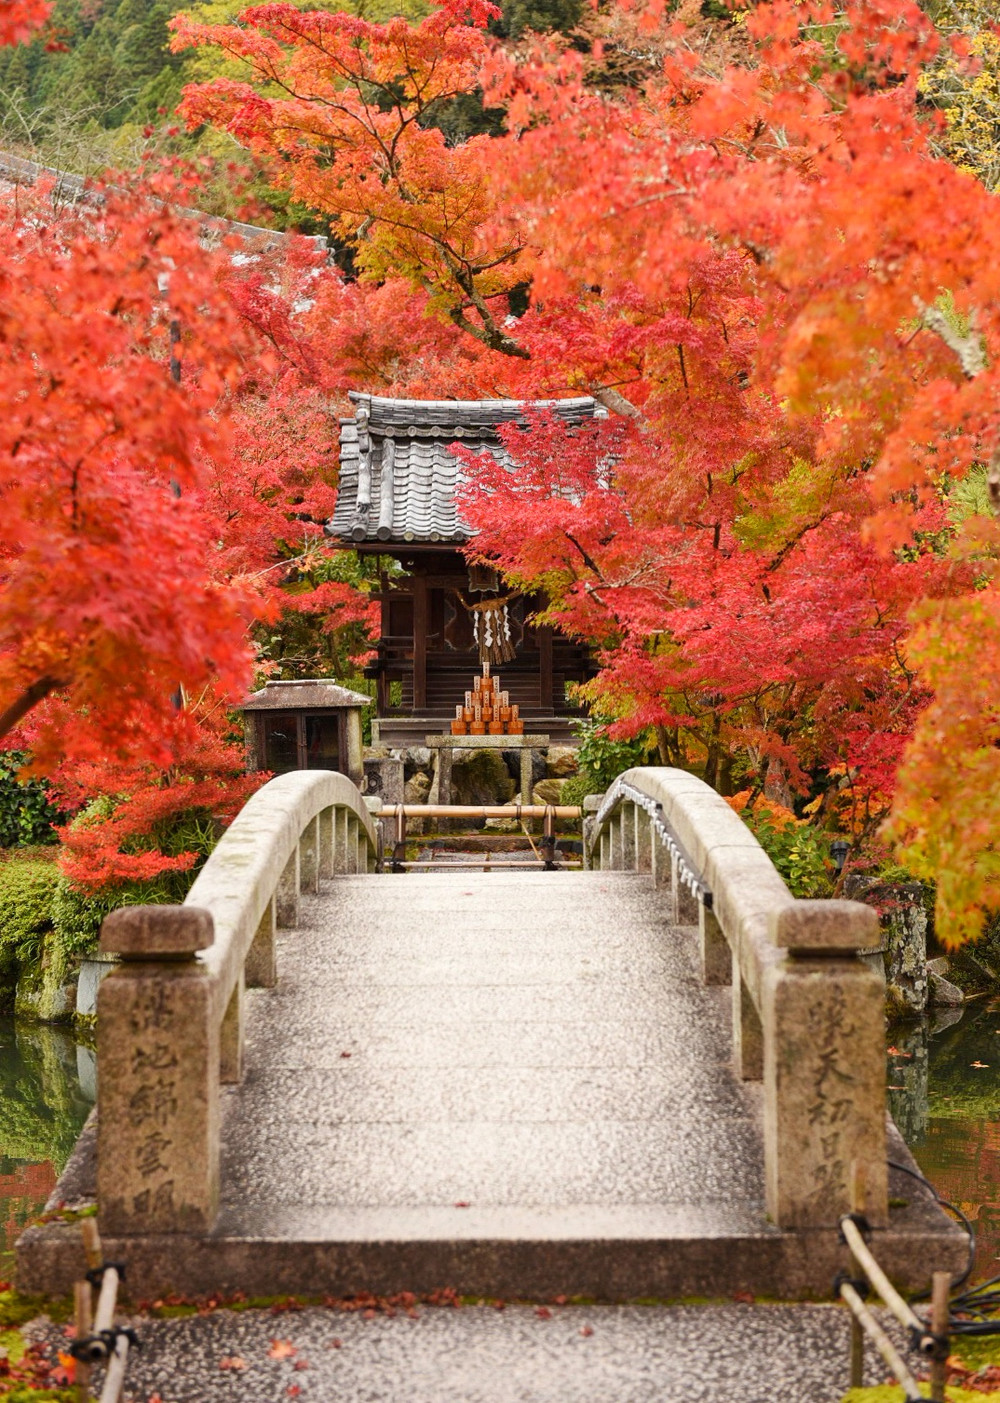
[
  {"x": 824, "y": 1076},
  {"x": 158, "y": 1075}
]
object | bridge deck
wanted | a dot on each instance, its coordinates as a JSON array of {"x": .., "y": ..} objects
[
  {"x": 537, "y": 1047},
  {"x": 511, "y": 1084}
]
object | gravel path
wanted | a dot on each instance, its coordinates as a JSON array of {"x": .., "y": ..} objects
[{"x": 572, "y": 1354}]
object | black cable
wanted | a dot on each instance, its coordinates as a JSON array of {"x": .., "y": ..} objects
[{"x": 951, "y": 1208}]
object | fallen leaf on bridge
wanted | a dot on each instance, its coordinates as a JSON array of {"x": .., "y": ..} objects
[
  {"x": 232, "y": 1361},
  {"x": 334, "y": 1344},
  {"x": 543, "y": 1313},
  {"x": 979, "y": 1064},
  {"x": 293, "y": 1390},
  {"x": 461, "y": 1203},
  {"x": 281, "y": 1349},
  {"x": 587, "y": 1330},
  {"x": 300, "y": 1364},
  {"x": 345, "y": 1054}
]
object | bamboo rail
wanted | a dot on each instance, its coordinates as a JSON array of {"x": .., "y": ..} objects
[
  {"x": 929, "y": 1341},
  {"x": 97, "y": 1338},
  {"x": 514, "y": 811}
]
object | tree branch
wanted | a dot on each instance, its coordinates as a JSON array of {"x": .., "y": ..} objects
[
  {"x": 30, "y": 697},
  {"x": 968, "y": 349}
]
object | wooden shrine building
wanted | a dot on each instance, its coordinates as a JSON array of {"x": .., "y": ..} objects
[{"x": 397, "y": 498}]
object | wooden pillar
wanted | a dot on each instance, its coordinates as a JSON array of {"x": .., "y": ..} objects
[
  {"x": 419, "y": 645},
  {"x": 545, "y": 700}
]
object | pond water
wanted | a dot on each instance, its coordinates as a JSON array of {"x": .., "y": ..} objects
[
  {"x": 944, "y": 1092},
  {"x": 47, "y": 1087}
]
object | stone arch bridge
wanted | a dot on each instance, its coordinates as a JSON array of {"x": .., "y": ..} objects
[{"x": 662, "y": 1076}]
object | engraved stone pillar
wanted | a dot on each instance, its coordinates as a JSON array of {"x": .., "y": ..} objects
[
  {"x": 261, "y": 967},
  {"x": 643, "y": 840},
  {"x": 158, "y": 1075},
  {"x": 748, "y": 1034},
  {"x": 287, "y": 895},
  {"x": 309, "y": 857},
  {"x": 325, "y": 819},
  {"x": 716, "y": 960},
  {"x": 824, "y": 1077},
  {"x": 231, "y": 1036}
]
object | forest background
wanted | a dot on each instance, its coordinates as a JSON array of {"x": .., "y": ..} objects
[{"x": 763, "y": 236}]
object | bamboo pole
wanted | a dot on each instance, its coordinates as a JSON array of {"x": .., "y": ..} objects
[
  {"x": 83, "y": 1302},
  {"x": 901, "y": 1309},
  {"x": 882, "y": 1343},
  {"x": 115, "y": 1376},
  {"x": 514, "y": 811},
  {"x": 940, "y": 1315}
]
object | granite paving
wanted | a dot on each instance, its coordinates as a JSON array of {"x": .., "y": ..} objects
[
  {"x": 478, "y": 1354},
  {"x": 540, "y": 1040}
]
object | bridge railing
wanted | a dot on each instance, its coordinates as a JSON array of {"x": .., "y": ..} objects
[
  {"x": 808, "y": 1014},
  {"x": 170, "y": 1016}
]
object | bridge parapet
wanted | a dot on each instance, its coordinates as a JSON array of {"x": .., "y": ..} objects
[
  {"x": 808, "y": 1015},
  {"x": 170, "y": 1018}
]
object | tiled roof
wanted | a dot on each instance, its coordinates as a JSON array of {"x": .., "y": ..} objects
[
  {"x": 305, "y": 693},
  {"x": 398, "y": 477}
]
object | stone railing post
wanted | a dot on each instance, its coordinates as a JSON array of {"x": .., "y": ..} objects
[
  {"x": 683, "y": 903},
  {"x": 748, "y": 1031},
  {"x": 327, "y": 857},
  {"x": 286, "y": 897},
  {"x": 341, "y": 831},
  {"x": 661, "y": 864},
  {"x": 158, "y": 1075},
  {"x": 615, "y": 840},
  {"x": 643, "y": 840},
  {"x": 626, "y": 829},
  {"x": 716, "y": 958},
  {"x": 824, "y": 1075},
  {"x": 309, "y": 857}
]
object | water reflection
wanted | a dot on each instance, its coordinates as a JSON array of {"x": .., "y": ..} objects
[
  {"x": 47, "y": 1086},
  {"x": 944, "y": 1094}
]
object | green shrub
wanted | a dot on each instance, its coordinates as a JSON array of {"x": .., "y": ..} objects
[
  {"x": 26, "y": 816},
  {"x": 77, "y": 914},
  {"x": 602, "y": 759},
  {"x": 576, "y": 788},
  {"x": 800, "y": 853},
  {"x": 27, "y": 892}
]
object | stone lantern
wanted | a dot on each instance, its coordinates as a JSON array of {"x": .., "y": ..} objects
[{"x": 305, "y": 724}]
